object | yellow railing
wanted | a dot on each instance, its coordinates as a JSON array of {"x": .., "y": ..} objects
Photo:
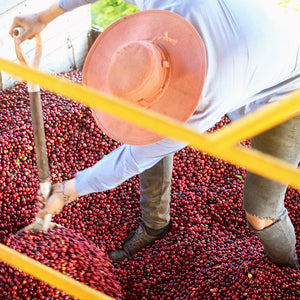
[
  {"x": 49, "y": 275},
  {"x": 223, "y": 144},
  {"x": 251, "y": 159}
]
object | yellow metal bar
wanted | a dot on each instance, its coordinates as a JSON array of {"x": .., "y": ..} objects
[
  {"x": 252, "y": 160},
  {"x": 263, "y": 164},
  {"x": 260, "y": 120},
  {"x": 49, "y": 275}
]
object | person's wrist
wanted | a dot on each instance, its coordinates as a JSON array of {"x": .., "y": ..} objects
[
  {"x": 48, "y": 15},
  {"x": 69, "y": 191},
  {"x": 66, "y": 197}
]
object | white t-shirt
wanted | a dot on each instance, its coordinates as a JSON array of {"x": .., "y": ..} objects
[{"x": 253, "y": 52}]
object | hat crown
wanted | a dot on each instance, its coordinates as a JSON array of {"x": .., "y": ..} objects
[{"x": 137, "y": 72}]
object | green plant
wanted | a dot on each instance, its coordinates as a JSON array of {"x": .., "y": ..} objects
[{"x": 107, "y": 11}]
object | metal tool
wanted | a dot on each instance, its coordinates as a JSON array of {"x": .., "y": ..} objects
[{"x": 39, "y": 134}]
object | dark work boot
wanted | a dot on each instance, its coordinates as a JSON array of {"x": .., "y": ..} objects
[{"x": 137, "y": 240}]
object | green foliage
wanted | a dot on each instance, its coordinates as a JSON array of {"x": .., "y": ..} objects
[{"x": 105, "y": 12}]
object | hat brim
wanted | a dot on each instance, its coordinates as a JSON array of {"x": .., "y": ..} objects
[{"x": 188, "y": 64}]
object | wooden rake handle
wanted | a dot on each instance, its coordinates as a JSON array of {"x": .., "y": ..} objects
[{"x": 37, "y": 121}]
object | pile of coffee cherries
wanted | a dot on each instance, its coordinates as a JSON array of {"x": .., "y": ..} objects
[{"x": 65, "y": 251}]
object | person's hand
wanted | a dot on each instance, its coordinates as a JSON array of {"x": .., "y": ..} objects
[
  {"x": 60, "y": 195},
  {"x": 31, "y": 26},
  {"x": 54, "y": 204}
]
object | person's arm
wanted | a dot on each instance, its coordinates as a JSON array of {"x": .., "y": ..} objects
[
  {"x": 34, "y": 23},
  {"x": 68, "y": 5},
  {"x": 122, "y": 164},
  {"x": 112, "y": 170}
]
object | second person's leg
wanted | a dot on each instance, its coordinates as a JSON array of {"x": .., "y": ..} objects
[{"x": 263, "y": 199}]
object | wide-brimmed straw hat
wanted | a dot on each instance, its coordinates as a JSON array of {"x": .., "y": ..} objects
[{"x": 154, "y": 59}]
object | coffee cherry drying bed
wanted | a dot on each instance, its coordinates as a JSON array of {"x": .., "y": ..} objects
[{"x": 209, "y": 252}]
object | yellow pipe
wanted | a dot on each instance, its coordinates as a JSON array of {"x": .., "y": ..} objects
[
  {"x": 252, "y": 160},
  {"x": 260, "y": 120},
  {"x": 49, "y": 275}
]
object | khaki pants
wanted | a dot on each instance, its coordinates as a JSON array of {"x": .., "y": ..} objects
[{"x": 155, "y": 193}]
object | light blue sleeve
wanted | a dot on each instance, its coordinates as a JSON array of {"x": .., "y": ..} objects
[
  {"x": 134, "y": 2},
  {"x": 68, "y": 5},
  {"x": 122, "y": 164}
]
